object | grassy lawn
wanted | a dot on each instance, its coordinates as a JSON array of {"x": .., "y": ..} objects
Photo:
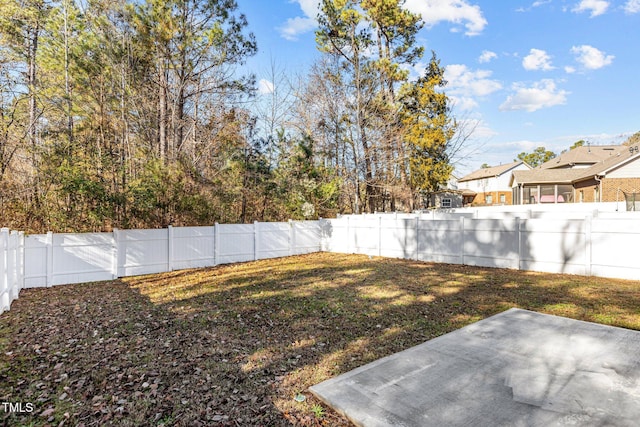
[{"x": 233, "y": 345}]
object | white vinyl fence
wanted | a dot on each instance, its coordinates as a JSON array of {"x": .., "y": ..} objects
[
  {"x": 603, "y": 246},
  {"x": 584, "y": 242},
  {"x": 11, "y": 266},
  {"x": 43, "y": 260}
]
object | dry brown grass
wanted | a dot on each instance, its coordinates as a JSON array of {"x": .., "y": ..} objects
[{"x": 233, "y": 345}]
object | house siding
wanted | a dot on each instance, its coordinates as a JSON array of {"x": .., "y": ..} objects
[
  {"x": 494, "y": 186},
  {"x": 629, "y": 170},
  {"x": 455, "y": 196}
]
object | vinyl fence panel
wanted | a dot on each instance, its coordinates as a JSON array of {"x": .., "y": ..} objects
[
  {"x": 554, "y": 246},
  {"x": 615, "y": 248},
  {"x": 36, "y": 248},
  {"x": 273, "y": 239},
  {"x": 364, "y": 236},
  {"x": 192, "y": 247},
  {"x": 335, "y": 235},
  {"x": 490, "y": 243},
  {"x": 397, "y": 237},
  {"x": 307, "y": 237},
  {"x": 440, "y": 241},
  {"x": 85, "y": 257},
  {"x": 236, "y": 243},
  {"x": 142, "y": 251}
]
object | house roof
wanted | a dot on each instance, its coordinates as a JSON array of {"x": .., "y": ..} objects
[
  {"x": 620, "y": 156},
  {"x": 490, "y": 172},
  {"x": 585, "y": 155},
  {"x": 545, "y": 176},
  {"x": 602, "y": 168}
]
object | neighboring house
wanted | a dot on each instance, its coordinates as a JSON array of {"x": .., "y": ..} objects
[
  {"x": 490, "y": 186},
  {"x": 448, "y": 197},
  {"x": 583, "y": 174}
]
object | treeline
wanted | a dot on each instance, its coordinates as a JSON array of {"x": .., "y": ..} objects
[{"x": 116, "y": 114}]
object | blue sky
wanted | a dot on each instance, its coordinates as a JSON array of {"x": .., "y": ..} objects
[{"x": 522, "y": 74}]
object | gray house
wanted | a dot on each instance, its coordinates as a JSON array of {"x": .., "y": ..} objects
[{"x": 448, "y": 197}]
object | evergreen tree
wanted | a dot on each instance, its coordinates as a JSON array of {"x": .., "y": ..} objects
[{"x": 428, "y": 128}]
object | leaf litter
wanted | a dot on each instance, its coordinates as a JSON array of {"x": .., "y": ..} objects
[{"x": 239, "y": 345}]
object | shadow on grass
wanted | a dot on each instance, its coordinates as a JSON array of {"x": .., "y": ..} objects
[{"x": 233, "y": 345}]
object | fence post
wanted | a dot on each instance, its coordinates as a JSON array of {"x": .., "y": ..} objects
[
  {"x": 256, "y": 240},
  {"x": 20, "y": 256},
  {"x": 216, "y": 243},
  {"x": 170, "y": 248},
  {"x": 5, "y": 290},
  {"x": 462, "y": 240},
  {"x": 417, "y": 238},
  {"x": 12, "y": 264},
  {"x": 587, "y": 245},
  {"x": 291, "y": 238},
  {"x": 49, "y": 243},
  {"x": 518, "y": 241},
  {"x": 114, "y": 253}
]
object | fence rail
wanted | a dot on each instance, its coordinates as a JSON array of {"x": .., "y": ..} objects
[{"x": 597, "y": 243}]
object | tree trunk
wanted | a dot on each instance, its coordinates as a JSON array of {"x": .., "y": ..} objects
[
  {"x": 32, "y": 49},
  {"x": 162, "y": 112}
]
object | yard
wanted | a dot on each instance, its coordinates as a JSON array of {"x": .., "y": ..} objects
[{"x": 236, "y": 344}]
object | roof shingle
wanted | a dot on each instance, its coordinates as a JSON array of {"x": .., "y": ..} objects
[{"x": 490, "y": 172}]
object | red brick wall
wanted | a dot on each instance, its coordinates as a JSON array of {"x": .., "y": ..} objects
[
  {"x": 610, "y": 188},
  {"x": 479, "y": 200},
  {"x": 587, "y": 188}
]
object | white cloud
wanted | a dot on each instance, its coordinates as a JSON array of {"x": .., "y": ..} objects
[
  {"x": 537, "y": 60},
  {"x": 632, "y": 6},
  {"x": 265, "y": 87},
  {"x": 590, "y": 57},
  {"x": 463, "y": 103},
  {"x": 542, "y": 94},
  {"x": 296, "y": 26},
  {"x": 455, "y": 11},
  {"x": 465, "y": 85},
  {"x": 534, "y": 5},
  {"x": 569, "y": 69},
  {"x": 487, "y": 56},
  {"x": 432, "y": 11},
  {"x": 311, "y": 8},
  {"x": 596, "y": 7},
  {"x": 301, "y": 24},
  {"x": 479, "y": 128},
  {"x": 464, "y": 82}
]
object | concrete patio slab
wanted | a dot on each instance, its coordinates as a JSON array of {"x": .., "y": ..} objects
[{"x": 517, "y": 368}]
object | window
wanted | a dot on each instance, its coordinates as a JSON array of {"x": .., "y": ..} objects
[
  {"x": 547, "y": 194},
  {"x": 446, "y": 203},
  {"x": 488, "y": 199},
  {"x": 565, "y": 193},
  {"x": 530, "y": 195},
  {"x": 503, "y": 199}
]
